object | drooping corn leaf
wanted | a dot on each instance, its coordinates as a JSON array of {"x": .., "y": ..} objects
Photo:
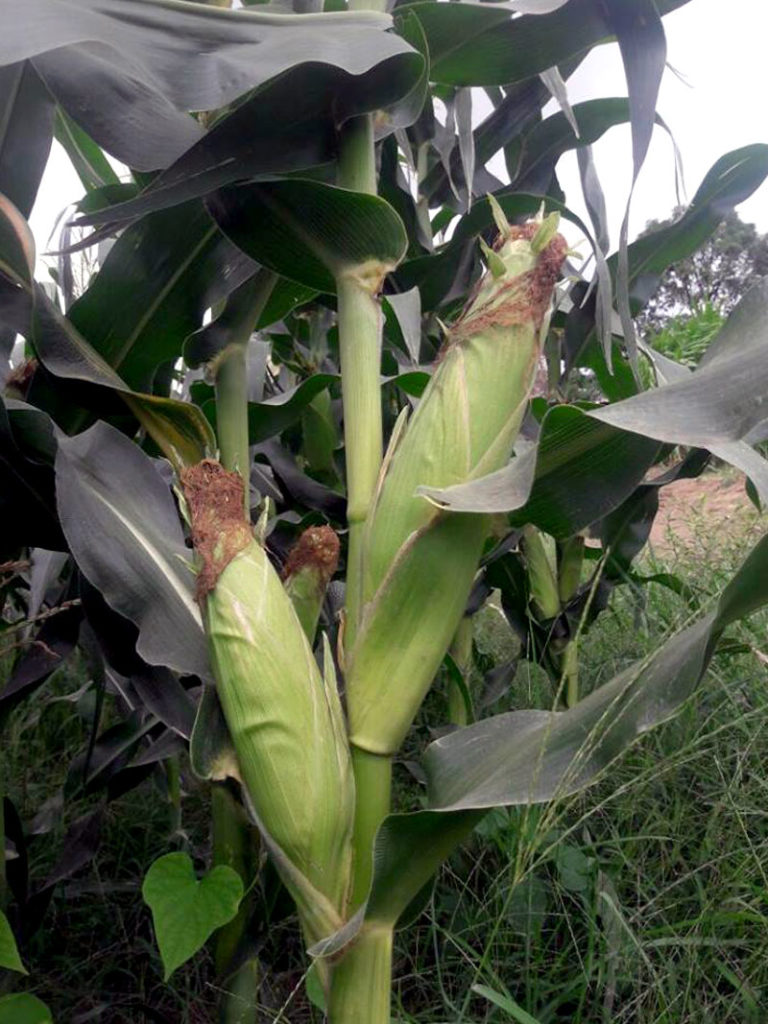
[
  {"x": 287, "y": 124},
  {"x": 722, "y": 404},
  {"x": 730, "y": 180},
  {"x": 481, "y": 44},
  {"x": 574, "y": 475},
  {"x": 180, "y": 429},
  {"x": 643, "y": 46},
  {"x": 533, "y": 756},
  {"x": 26, "y": 133},
  {"x": 123, "y": 529},
  {"x": 128, "y": 70},
  {"x": 308, "y": 231}
]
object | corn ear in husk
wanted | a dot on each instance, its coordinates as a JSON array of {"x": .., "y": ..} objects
[
  {"x": 310, "y": 566},
  {"x": 420, "y": 561},
  {"x": 284, "y": 718}
]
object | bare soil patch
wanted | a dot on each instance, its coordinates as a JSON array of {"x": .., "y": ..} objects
[{"x": 693, "y": 513}]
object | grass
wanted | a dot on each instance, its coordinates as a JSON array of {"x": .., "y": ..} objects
[{"x": 643, "y": 901}]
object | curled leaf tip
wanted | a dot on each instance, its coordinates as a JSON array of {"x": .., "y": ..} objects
[
  {"x": 498, "y": 215},
  {"x": 545, "y": 232}
]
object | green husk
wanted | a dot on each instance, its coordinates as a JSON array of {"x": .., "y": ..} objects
[
  {"x": 419, "y": 561},
  {"x": 311, "y": 563},
  {"x": 284, "y": 718},
  {"x": 541, "y": 575}
]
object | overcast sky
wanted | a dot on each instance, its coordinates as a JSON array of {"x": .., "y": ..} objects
[{"x": 720, "y": 51}]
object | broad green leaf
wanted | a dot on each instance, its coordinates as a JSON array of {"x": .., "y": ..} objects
[
  {"x": 27, "y": 497},
  {"x": 123, "y": 529},
  {"x": 720, "y": 404},
  {"x": 156, "y": 283},
  {"x": 532, "y": 756},
  {"x": 730, "y": 180},
  {"x": 93, "y": 168},
  {"x": 127, "y": 70},
  {"x": 310, "y": 232},
  {"x": 24, "y": 1008},
  {"x": 26, "y": 132},
  {"x": 480, "y": 44},
  {"x": 575, "y": 475},
  {"x": 17, "y": 246},
  {"x": 287, "y": 124},
  {"x": 546, "y": 142},
  {"x": 180, "y": 429},
  {"x": 9, "y": 952},
  {"x": 186, "y": 911}
]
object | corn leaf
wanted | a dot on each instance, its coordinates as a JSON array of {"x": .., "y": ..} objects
[
  {"x": 576, "y": 474},
  {"x": 525, "y": 757},
  {"x": 180, "y": 429},
  {"x": 287, "y": 124},
  {"x": 128, "y": 70},
  {"x": 26, "y": 133},
  {"x": 479, "y": 44},
  {"x": 721, "y": 405},
  {"x": 122, "y": 527},
  {"x": 308, "y": 231}
]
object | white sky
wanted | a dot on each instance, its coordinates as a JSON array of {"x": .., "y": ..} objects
[{"x": 719, "y": 48}]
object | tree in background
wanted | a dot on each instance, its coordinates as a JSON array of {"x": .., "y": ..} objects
[{"x": 697, "y": 293}]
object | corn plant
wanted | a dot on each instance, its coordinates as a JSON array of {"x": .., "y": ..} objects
[{"x": 325, "y": 329}]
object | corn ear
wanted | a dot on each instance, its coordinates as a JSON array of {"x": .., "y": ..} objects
[
  {"x": 310, "y": 566},
  {"x": 419, "y": 560},
  {"x": 283, "y": 717}
]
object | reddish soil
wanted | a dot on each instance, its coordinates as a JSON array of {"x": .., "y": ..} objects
[{"x": 693, "y": 513}]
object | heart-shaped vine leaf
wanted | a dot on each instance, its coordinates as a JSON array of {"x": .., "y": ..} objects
[
  {"x": 23, "y": 1008},
  {"x": 9, "y": 952},
  {"x": 186, "y": 911}
]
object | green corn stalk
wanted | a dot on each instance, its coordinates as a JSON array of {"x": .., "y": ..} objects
[
  {"x": 419, "y": 561},
  {"x": 284, "y": 718}
]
